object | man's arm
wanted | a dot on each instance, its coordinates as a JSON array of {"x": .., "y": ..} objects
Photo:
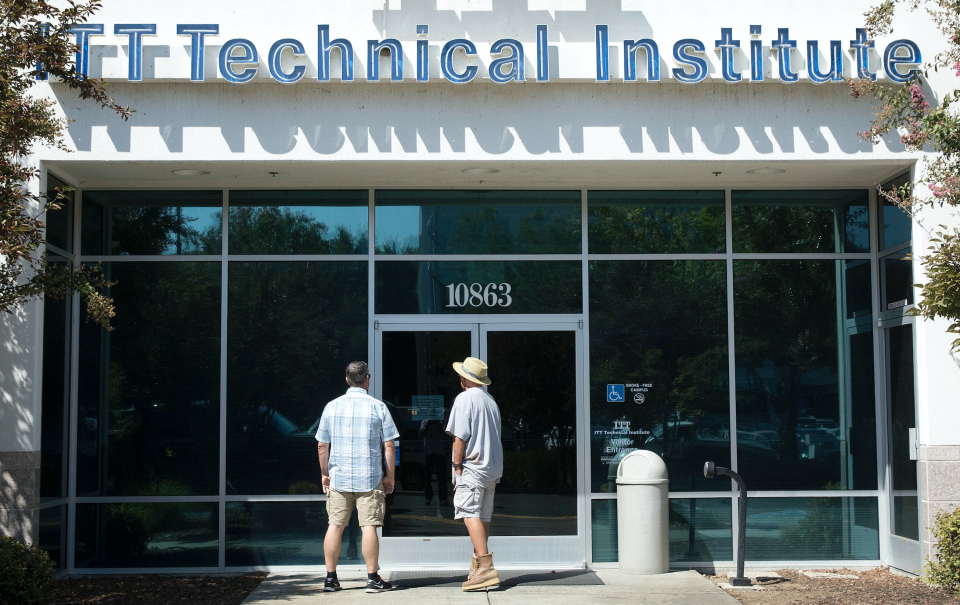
[
  {"x": 323, "y": 452},
  {"x": 459, "y": 451},
  {"x": 390, "y": 454}
]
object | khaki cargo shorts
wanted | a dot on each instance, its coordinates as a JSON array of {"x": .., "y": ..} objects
[
  {"x": 473, "y": 501},
  {"x": 371, "y": 506}
]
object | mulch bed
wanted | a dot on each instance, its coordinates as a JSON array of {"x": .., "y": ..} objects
[
  {"x": 152, "y": 590},
  {"x": 873, "y": 587}
]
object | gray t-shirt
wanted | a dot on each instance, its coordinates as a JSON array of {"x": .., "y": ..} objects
[{"x": 475, "y": 418}]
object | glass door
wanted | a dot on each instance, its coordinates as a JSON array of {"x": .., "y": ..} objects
[
  {"x": 900, "y": 397},
  {"x": 536, "y": 371},
  {"x": 415, "y": 380}
]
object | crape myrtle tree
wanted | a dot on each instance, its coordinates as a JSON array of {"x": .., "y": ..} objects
[
  {"x": 935, "y": 127},
  {"x": 36, "y": 43}
]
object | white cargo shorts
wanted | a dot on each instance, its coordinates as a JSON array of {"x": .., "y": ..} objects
[{"x": 473, "y": 501}]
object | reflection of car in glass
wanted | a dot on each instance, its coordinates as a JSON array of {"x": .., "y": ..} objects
[
  {"x": 284, "y": 456},
  {"x": 830, "y": 426},
  {"x": 754, "y": 439},
  {"x": 411, "y": 459},
  {"x": 814, "y": 441}
]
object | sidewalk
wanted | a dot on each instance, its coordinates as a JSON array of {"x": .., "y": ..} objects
[{"x": 676, "y": 587}]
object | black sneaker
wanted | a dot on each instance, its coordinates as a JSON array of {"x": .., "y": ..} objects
[
  {"x": 331, "y": 585},
  {"x": 378, "y": 585}
]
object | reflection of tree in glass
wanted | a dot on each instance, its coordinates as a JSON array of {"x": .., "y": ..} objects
[
  {"x": 159, "y": 411},
  {"x": 535, "y": 388},
  {"x": 492, "y": 229},
  {"x": 661, "y": 323},
  {"x": 656, "y": 229},
  {"x": 293, "y": 327},
  {"x": 786, "y": 337},
  {"x": 157, "y": 230},
  {"x": 783, "y": 228},
  {"x": 819, "y": 531},
  {"x": 279, "y": 230}
]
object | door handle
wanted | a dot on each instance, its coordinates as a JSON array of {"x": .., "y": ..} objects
[{"x": 912, "y": 438}]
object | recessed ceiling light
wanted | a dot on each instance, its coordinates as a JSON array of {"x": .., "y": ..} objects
[
  {"x": 480, "y": 171},
  {"x": 190, "y": 172},
  {"x": 766, "y": 171}
]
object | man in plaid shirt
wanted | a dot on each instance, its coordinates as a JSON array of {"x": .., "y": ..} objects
[{"x": 352, "y": 431}]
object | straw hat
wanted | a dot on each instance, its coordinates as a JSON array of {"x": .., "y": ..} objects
[{"x": 472, "y": 369}]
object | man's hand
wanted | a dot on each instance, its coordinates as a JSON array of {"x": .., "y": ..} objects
[
  {"x": 326, "y": 484},
  {"x": 390, "y": 462},
  {"x": 459, "y": 452}
]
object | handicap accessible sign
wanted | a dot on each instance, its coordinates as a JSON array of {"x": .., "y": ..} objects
[{"x": 615, "y": 392}]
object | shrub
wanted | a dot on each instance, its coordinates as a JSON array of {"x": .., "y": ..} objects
[
  {"x": 24, "y": 572},
  {"x": 945, "y": 569}
]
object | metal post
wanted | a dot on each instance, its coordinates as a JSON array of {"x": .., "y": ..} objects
[{"x": 709, "y": 471}]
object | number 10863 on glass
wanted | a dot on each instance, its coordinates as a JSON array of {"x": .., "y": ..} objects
[{"x": 478, "y": 295}]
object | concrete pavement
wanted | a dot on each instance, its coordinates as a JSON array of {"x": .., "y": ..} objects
[{"x": 672, "y": 588}]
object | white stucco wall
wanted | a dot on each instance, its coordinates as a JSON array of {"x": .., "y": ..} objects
[{"x": 21, "y": 371}]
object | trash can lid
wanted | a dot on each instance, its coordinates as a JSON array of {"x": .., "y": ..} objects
[{"x": 642, "y": 467}]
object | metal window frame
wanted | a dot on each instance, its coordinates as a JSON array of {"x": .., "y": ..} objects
[{"x": 585, "y": 257}]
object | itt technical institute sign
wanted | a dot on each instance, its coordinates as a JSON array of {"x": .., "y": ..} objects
[{"x": 239, "y": 59}]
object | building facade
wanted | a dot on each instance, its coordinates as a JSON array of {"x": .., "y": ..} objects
[{"x": 658, "y": 226}]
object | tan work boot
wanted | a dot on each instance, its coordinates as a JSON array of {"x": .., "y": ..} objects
[
  {"x": 474, "y": 565},
  {"x": 485, "y": 576}
]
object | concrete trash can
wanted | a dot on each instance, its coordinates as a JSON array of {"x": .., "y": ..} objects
[{"x": 643, "y": 514}]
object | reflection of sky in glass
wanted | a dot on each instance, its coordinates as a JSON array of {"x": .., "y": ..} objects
[
  {"x": 896, "y": 226},
  {"x": 857, "y": 232},
  {"x": 199, "y": 219},
  {"x": 298, "y": 222},
  {"x": 398, "y": 225},
  {"x": 351, "y": 218}
]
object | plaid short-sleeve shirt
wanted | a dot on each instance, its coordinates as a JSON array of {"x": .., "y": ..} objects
[{"x": 356, "y": 425}]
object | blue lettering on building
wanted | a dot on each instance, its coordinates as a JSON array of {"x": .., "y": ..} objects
[{"x": 900, "y": 60}]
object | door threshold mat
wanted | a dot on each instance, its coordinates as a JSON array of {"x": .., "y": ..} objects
[{"x": 508, "y": 577}]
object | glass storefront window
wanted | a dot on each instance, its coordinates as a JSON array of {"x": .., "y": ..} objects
[
  {"x": 51, "y": 533},
  {"x": 55, "y": 399},
  {"x": 292, "y": 328},
  {"x": 903, "y": 418},
  {"x": 801, "y": 221},
  {"x": 149, "y": 391},
  {"x": 809, "y": 529},
  {"x": 298, "y": 222},
  {"x": 658, "y": 368},
  {"x": 652, "y": 222},
  {"x": 58, "y": 221},
  {"x": 897, "y": 224},
  {"x": 138, "y": 534},
  {"x": 700, "y": 530},
  {"x": 794, "y": 417},
  {"x": 285, "y": 533},
  {"x": 896, "y": 280},
  {"x": 478, "y": 222},
  {"x": 859, "y": 302},
  {"x": 152, "y": 222},
  {"x": 487, "y": 287}
]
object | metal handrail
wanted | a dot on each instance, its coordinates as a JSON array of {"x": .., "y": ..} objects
[{"x": 709, "y": 471}]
